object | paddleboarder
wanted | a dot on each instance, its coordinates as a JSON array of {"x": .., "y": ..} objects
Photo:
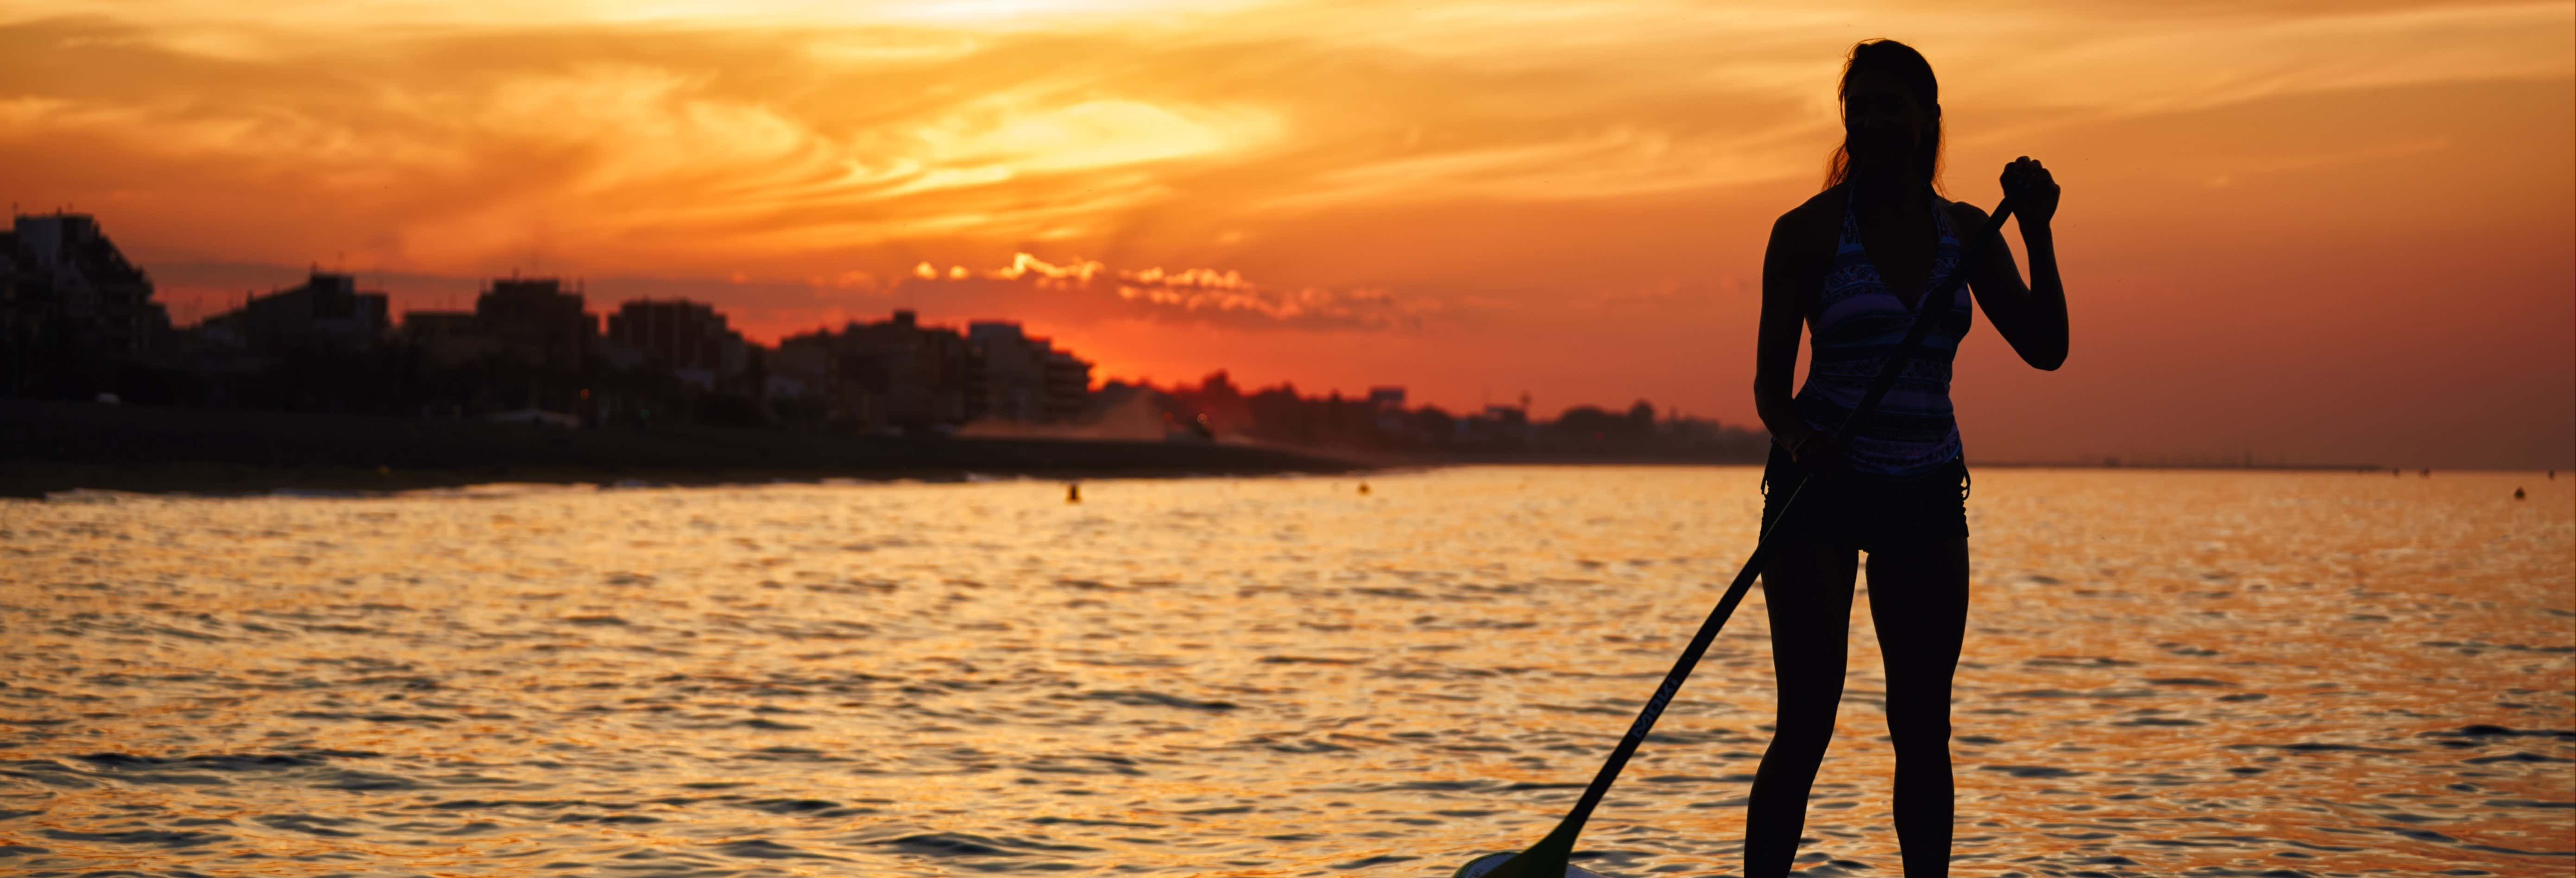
[
  {"x": 1839, "y": 483},
  {"x": 1853, "y": 265}
]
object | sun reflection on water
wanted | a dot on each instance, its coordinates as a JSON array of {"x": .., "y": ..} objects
[{"x": 2165, "y": 671}]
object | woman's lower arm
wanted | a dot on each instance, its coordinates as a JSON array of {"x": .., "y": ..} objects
[
  {"x": 2047, "y": 292},
  {"x": 1780, "y": 416}
]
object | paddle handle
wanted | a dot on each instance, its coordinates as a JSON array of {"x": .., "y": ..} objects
[{"x": 1548, "y": 856}]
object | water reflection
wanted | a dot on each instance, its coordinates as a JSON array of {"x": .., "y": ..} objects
[{"x": 2221, "y": 673}]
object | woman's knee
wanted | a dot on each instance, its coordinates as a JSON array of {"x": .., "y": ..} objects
[
  {"x": 1918, "y": 730},
  {"x": 1809, "y": 684},
  {"x": 1800, "y": 742},
  {"x": 1804, "y": 717}
]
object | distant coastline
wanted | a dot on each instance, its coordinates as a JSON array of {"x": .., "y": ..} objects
[
  {"x": 48, "y": 447},
  {"x": 60, "y": 446}
]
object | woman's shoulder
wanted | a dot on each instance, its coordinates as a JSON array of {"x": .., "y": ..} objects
[
  {"x": 1822, "y": 206},
  {"x": 1818, "y": 214},
  {"x": 1964, "y": 217}
]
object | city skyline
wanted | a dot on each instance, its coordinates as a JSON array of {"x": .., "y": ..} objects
[
  {"x": 2323, "y": 234},
  {"x": 410, "y": 322},
  {"x": 80, "y": 323}
]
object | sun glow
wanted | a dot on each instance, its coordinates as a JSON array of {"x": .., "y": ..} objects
[{"x": 1508, "y": 176}]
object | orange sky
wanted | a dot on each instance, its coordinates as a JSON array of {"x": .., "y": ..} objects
[{"x": 2321, "y": 231}]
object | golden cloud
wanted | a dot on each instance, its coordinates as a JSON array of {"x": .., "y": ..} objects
[
  {"x": 1184, "y": 295},
  {"x": 695, "y": 136}
]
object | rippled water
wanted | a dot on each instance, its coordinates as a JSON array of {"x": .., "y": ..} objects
[{"x": 2165, "y": 673}]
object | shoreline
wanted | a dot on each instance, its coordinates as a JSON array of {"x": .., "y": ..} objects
[
  {"x": 37, "y": 480},
  {"x": 48, "y": 447},
  {"x": 55, "y": 446}
]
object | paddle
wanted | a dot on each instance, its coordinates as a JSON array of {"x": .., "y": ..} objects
[{"x": 1547, "y": 858}]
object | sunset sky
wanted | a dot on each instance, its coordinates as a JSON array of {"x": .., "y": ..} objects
[{"x": 2319, "y": 231}]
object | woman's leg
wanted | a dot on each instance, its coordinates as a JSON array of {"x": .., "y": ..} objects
[
  {"x": 1807, "y": 591},
  {"x": 1918, "y": 600}
]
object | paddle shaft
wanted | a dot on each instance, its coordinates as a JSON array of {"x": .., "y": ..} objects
[{"x": 1562, "y": 838}]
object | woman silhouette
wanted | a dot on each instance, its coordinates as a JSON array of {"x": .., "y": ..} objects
[{"x": 1852, "y": 264}]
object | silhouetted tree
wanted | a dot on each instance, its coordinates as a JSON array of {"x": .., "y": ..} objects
[{"x": 1641, "y": 419}]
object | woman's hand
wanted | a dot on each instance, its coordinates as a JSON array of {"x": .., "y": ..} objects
[
  {"x": 2033, "y": 193},
  {"x": 1819, "y": 454}
]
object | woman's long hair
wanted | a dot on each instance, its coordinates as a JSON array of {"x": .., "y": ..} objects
[{"x": 1909, "y": 68}]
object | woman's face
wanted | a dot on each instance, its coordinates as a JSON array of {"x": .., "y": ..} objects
[{"x": 1881, "y": 120}]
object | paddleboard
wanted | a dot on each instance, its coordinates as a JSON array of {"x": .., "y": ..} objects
[{"x": 1477, "y": 867}]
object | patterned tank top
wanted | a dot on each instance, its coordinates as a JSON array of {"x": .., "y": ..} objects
[{"x": 1855, "y": 325}]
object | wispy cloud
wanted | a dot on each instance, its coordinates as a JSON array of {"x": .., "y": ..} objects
[
  {"x": 691, "y": 136},
  {"x": 1205, "y": 296}
]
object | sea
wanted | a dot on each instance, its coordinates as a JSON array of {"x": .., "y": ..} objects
[{"x": 2165, "y": 672}]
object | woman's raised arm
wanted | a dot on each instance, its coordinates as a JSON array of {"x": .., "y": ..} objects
[{"x": 2031, "y": 318}]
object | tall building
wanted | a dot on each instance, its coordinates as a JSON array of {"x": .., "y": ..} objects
[
  {"x": 687, "y": 337},
  {"x": 327, "y": 311},
  {"x": 1012, "y": 376},
  {"x": 1068, "y": 386},
  {"x": 448, "y": 338},
  {"x": 69, "y": 301},
  {"x": 919, "y": 372},
  {"x": 892, "y": 374},
  {"x": 534, "y": 320}
]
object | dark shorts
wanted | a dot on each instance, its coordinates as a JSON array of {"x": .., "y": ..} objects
[{"x": 1865, "y": 512}]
